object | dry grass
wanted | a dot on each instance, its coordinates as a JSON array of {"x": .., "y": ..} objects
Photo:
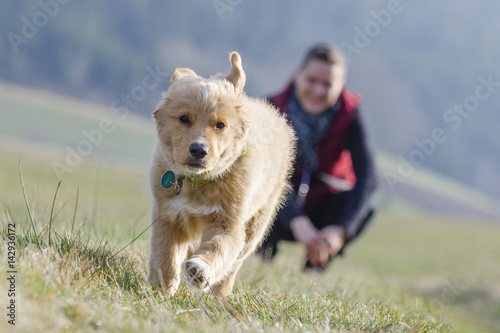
[{"x": 91, "y": 274}]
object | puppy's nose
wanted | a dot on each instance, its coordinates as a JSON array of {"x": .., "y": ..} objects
[{"x": 198, "y": 151}]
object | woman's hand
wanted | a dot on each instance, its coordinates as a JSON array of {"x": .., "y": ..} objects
[
  {"x": 334, "y": 237},
  {"x": 320, "y": 244},
  {"x": 303, "y": 230}
]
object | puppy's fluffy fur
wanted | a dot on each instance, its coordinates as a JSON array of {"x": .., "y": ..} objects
[{"x": 242, "y": 148}]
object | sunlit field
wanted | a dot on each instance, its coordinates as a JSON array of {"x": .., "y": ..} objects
[{"x": 81, "y": 254}]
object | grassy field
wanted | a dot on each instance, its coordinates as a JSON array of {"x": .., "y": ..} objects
[
  {"x": 409, "y": 273},
  {"x": 58, "y": 122},
  {"x": 81, "y": 258}
]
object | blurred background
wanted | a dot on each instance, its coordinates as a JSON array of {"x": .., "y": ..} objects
[{"x": 420, "y": 66}]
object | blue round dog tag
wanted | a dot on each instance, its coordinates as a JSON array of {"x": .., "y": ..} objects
[{"x": 168, "y": 179}]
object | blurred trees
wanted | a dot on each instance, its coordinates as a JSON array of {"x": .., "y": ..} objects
[{"x": 424, "y": 61}]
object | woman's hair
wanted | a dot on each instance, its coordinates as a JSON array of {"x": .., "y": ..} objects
[{"x": 326, "y": 53}]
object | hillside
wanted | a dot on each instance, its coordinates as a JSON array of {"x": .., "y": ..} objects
[{"x": 71, "y": 132}]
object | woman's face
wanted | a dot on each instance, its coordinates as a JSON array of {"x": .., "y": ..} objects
[{"x": 318, "y": 85}]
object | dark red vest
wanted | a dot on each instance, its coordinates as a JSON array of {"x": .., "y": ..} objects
[{"x": 333, "y": 158}]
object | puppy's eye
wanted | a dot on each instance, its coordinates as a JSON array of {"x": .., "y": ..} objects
[
  {"x": 220, "y": 125},
  {"x": 184, "y": 119}
]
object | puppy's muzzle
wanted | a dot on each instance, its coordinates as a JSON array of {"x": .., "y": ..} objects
[{"x": 198, "y": 151}]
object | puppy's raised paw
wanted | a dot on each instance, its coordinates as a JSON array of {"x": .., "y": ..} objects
[{"x": 198, "y": 273}]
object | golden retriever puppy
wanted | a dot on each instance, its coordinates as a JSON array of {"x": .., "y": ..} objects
[{"x": 219, "y": 172}]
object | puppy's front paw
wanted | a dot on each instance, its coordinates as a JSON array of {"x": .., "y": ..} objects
[{"x": 198, "y": 273}]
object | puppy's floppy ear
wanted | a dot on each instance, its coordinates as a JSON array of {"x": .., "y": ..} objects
[
  {"x": 157, "y": 117},
  {"x": 158, "y": 114},
  {"x": 180, "y": 72},
  {"x": 236, "y": 76}
]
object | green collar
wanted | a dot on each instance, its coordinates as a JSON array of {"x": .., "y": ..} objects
[
  {"x": 168, "y": 178},
  {"x": 196, "y": 181}
]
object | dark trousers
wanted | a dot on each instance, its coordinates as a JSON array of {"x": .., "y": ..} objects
[{"x": 329, "y": 213}]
